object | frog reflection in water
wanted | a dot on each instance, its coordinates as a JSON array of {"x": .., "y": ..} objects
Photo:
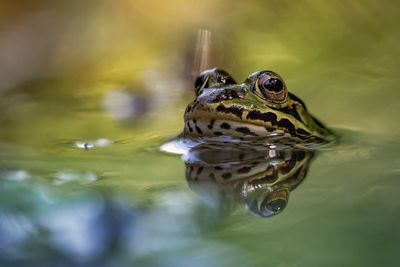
[
  {"x": 254, "y": 139},
  {"x": 259, "y": 179}
]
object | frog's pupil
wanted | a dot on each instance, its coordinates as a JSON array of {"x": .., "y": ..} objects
[
  {"x": 277, "y": 205},
  {"x": 273, "y": 84}
]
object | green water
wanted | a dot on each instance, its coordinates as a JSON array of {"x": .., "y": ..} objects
[
  {"x": 121, "y": 210},
  {"x": 121, "y": 202}
]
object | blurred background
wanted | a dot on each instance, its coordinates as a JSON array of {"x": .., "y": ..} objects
[
  {"x": 92, "y": 65},
  {"x": 90, "y": 89}
]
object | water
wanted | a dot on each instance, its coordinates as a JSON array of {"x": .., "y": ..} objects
[
  {"x": 103, "y": 210},
  {"x": 82, "y": 180}
]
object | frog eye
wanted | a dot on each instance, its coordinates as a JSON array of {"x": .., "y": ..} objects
[{"x": 271, "y": 87}]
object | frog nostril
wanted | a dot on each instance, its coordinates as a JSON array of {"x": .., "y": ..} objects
[{"x": 226, "y": 95}]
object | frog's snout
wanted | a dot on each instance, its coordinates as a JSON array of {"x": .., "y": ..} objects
[
  {"x": 227, "y": 94},
  {"x": 219, "y": 95}
]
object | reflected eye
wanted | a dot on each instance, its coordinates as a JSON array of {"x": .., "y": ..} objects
[{"x": 271, "y": 87}]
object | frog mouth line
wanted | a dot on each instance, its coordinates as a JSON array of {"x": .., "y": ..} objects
[
  {"x": 233, "y": 114},
  {"x": 212, "y": 126},
  {"x": 246, "y": 123},
  {"x": 239, "y": 114},
  {"x": 221, "y": 112},
  {"x": 206, "y": 124}
]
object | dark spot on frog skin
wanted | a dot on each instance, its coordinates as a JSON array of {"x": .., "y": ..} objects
[
  {"x": 190, "y": 128},
  {"x": 292, "y": 111},
  {"x": 270, "y": 178},
  {"x": 212, "y": 176},
  {"x": 269, "y": 129},
  {"x": 245, "y": 130},
  {"x": 287, "y": 166},
  {"x": 244, "y": 169},
  {"x": 286, "y": 124},
  {"x": 218, "y": 133},
  {"x": 199, "y": 170},
  {"x": 199, "y": 130},
  {"x": 300, "y": 155},
  {"x": 211, "y": 125},
  {"x": 225, "y": 126},
  {"x": 237, "y": 111},
  {"x": 226, "y": 175},
  {"x": 191, "y": 171},
  {"x": 267, "y": 117}
]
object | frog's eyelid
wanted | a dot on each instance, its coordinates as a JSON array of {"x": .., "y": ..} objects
[{"x": 256, "y": 86}]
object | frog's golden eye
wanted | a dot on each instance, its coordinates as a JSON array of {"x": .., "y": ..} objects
[{"x": 271, "y": 87}]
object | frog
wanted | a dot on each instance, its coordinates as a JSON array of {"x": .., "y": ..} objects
[
  {"x": 260, "y": 108},
  {"x": 252, "y": 141}
]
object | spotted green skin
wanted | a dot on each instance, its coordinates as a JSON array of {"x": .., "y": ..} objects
[{"x": 224, "y": 108}]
